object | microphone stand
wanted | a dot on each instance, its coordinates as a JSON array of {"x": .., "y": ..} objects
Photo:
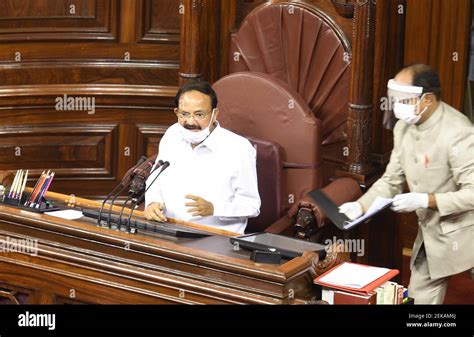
[
  {"x": 140, "y": 161},
  {"x": 134, "y": 194},
  {"x": 119, "y": 192},
  {"x": 164, "y": 166}
]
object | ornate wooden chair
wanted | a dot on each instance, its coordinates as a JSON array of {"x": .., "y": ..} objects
[{"x": 289, "y": 86}]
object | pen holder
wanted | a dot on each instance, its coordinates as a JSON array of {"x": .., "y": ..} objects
[{"x": 44, "y": 205}]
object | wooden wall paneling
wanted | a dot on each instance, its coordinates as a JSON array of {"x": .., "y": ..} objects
[
  {"x": 58, "y": 20},
  {"x": 87, "y": 151},
  {"x": 64, "y": 72},
  {"x": 149, "y": 137},
  {"x": 435, "y": 30},
  {"x": 79, "y": 150},
  {"x": 47, "y": 53},
  {"x": 151, "y": 61},
  {"x": 161, "y": 21}
]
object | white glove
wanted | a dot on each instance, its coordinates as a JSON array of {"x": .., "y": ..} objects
[
  {"x": 352, "y": 210},
  {"x": 410, "y": 202}
]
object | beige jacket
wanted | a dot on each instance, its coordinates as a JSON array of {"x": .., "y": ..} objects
[{"x": 436, "y": 157}]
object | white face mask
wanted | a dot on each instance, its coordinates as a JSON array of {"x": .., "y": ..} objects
[
  {"x": 407, "y": 112},
  {"x": 195, "y": 137}
]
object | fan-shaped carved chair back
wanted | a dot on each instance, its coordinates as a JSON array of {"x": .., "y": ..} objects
[{"x": 302, "y": 46}]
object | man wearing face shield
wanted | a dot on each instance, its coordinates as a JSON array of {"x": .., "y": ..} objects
[
  {"x": 434, "y": 154},
  {"x": 212, "y": 179}
]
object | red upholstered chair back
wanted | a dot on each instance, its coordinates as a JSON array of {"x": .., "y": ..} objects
[
  {"x": 259, "y": 106},
  {"x": 269, "y": 168},
  {"x": 300, "y": 45}
]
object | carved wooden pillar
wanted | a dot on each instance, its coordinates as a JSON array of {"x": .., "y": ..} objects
[
  {"x": 190, "y": 65},
  {"x": 361, "y": 92}
]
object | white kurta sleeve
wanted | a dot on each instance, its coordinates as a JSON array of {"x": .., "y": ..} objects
[{"x": 246, "y": 201}]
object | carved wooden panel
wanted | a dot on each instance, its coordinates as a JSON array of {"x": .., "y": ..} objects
[
  {"x": 159, "y": 73},
  {"x": 40, "y": 9},
  {"x": 123, "y": 53},
  {"x": 71, "y": 151},
  {"x": 149, "y": 137},
  {"x": 26, "y": 20},
  {"x": 104, "y": 41},
  {"x": 160, "y": 21}
]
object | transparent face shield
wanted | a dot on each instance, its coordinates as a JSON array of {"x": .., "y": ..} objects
[
  {"x": 403, "y": 93},
  {"x": 399, "y": 95}
]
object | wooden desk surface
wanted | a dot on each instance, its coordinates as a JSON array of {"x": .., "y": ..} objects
[{"x": 79, "y": 262}]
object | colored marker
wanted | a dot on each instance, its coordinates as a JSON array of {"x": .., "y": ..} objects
[
  {"x": 27, "y": 203},
  {"x": 45, "y": 189},
  {"x": 38, "y": 189}
]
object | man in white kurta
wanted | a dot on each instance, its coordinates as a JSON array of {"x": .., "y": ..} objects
[
  {"x": 212, "y": 178},
  {"x": 434, "y": 154}
]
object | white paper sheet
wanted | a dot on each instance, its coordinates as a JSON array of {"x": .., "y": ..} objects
[
  {"x": 353, "y": 275},
  {"x": 68, "y": 214},
  {"x": 378, "y": 204}
]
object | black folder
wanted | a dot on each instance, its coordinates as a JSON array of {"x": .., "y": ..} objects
[
  {"x": 330, "y": 208},
  {"x": 340, "y": 220}
]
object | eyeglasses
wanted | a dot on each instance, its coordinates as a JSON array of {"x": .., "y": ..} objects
[{"x": 186, "y": 115}]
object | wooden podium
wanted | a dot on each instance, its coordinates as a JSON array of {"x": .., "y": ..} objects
[{"x": 80, "y": 262}]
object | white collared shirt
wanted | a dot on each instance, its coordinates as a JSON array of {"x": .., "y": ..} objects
[{"x": 221, "y": 170}]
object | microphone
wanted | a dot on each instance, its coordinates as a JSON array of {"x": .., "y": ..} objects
[
  {"x": 138, "y": 182},
  {"x": 137, "y": 171},
  {"x": 160, "y": 162},
  {"x": 164, "y": 166},
  {"x": 127, "y": 176},
  {"x": 137, "y": 189}
]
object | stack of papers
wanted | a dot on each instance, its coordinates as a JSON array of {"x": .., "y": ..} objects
[
  {"x": 353, "y": 275},
  {"x": 378, "y": 205},
  {"x": 357, "y": 278}
]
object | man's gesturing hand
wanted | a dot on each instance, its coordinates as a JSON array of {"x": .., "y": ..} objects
[
  {"x": 199, "y": 207},
  {"x": 154, "y": 211}
]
